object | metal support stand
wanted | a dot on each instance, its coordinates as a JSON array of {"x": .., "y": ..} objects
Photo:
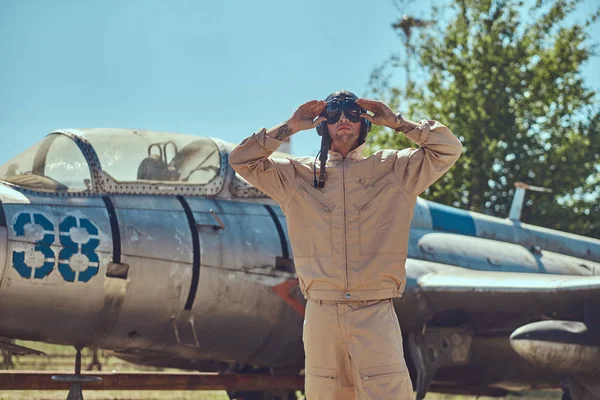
[{"x": 77, "y": 380}]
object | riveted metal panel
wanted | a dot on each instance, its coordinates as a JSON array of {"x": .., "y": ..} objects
[
  {"x": 8, "y": 195},
  {"x": 3, "y": 250},
  {"x": 153, "y": 227},
  {"x": 73, "y": 201},
  {"x": 237, "y": 316},
  {"x": 49, "y": 280},
  {"x": 250, "y": 240},
  {"x": 422, "y": 215},
  {"x": 236, "y": 313},
  {"x": 207, "y": 214},
  {"x": 283, "y": 222},
  {"x": 157, "y": 245}
]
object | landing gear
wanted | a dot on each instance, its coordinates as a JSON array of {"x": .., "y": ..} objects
[
  {"x": 434, "y": 348},
  {"x": 75, "y": 392},
  {"x": 566, "y": 390},
  {"x": 581, "y": 388},
  {"x": 7, "y": 362},
  {"x": 95, "y": 363}
]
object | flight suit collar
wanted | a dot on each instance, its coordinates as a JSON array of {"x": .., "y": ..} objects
[{"x": 356, "y": 154}]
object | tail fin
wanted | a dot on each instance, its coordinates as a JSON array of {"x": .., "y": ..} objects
[{"x": 516, "y": 207}]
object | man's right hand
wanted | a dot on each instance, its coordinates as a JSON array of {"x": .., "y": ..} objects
[{"x": 302, "y": 119}]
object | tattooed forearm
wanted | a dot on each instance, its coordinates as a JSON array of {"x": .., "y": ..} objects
[
  {"x": 284, "y": 132},
  {"x": 405, "y": 125}
]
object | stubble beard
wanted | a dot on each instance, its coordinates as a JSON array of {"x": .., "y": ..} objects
[
  {"x": 344, "y": 141},
  {"x": 345, "y": 137}
]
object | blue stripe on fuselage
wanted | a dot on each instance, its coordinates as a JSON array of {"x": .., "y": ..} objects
[{"x": 450, "y": 219}]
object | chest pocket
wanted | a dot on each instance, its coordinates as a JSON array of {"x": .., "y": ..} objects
[
  {"x": 310, "y": 223},
  {"x": 376, "y": 214},
  {"x": 378, "y": 188}
]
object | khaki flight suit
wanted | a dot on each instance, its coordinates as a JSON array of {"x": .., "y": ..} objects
[{"x": 349, "y": 242}]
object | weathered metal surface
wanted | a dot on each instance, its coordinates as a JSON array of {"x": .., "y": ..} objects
[
  {"x": 32, "y": 380},
  {"x": 12, "y": 196},
  {"x": 493, "y": 363},
  {"x": 3, "y": 249},
  {"x": 157, "y": 245},
  {"x": 56, "y": 259},
  {"x": 563, "y": 346},
  {"x": 438, "y": 348}
]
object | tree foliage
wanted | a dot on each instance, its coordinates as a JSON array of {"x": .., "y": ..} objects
[{"x": 506, "y": 79}]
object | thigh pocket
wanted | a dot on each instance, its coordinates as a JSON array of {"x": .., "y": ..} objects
[
  {"x": 321, "y": 383},
  {"x": 386, "y": 382}
]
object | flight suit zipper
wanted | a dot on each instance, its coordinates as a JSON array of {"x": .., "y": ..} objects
[{"x": 345, "y": 223}]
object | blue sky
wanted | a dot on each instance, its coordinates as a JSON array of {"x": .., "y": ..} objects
[{"x": 209, "y": 68}]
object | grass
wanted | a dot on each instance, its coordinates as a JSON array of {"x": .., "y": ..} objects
[{"x": 62, "y": 358}]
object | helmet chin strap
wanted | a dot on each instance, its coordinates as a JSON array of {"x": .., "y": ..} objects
[{"x": 325, "y": 146}]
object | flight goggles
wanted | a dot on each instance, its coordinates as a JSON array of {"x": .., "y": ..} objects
[{"x": 351, "y": 110}]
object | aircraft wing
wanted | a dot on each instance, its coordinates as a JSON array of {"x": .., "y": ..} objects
[
  {"x": 446, "y": 287},
  {"x": 18, "y": 350}
]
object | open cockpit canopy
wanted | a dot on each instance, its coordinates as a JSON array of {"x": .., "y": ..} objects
[
  {"x": 54, "y": 164},
  {"x": 113, "y": 159}
]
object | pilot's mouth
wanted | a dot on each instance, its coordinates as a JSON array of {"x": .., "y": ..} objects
[{"x": 342, "y": 126}]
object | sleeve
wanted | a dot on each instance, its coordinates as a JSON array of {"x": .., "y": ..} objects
[
  {"x": 274, "y": 177},
  {"x": 417, "y": 169}
]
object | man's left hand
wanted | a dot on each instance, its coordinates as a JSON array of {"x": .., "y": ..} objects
[{"x": 382, "y": 114}]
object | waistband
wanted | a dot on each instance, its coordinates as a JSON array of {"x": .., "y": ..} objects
[{"x": 352, "y": 295}]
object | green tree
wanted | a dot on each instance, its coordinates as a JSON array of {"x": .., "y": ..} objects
[{"x": 507, "y": 80}]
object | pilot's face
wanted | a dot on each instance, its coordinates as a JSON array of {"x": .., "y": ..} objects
[{"x": 344, "y": 130}]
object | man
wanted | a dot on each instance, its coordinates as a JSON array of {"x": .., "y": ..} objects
[{"x": 350, "y": 237}]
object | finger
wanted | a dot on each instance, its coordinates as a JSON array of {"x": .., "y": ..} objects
[
  {"x": 312, "y": 108},
  {"x": 368, "y": 104},
  {"x": 367, "y": 101},
  {"x": 310, "y": 103},
  {"x": 307, "y": 108},
  {"x": 318, "y": 121},
  {"x": 367, "y": 116},
  {"x": 319, "y": 107}
]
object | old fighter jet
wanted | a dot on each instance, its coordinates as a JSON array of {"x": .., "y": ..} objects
[{"x": 149, "y": 245}]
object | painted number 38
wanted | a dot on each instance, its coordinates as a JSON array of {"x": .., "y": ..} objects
[{"x": 69, "y": 247}]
